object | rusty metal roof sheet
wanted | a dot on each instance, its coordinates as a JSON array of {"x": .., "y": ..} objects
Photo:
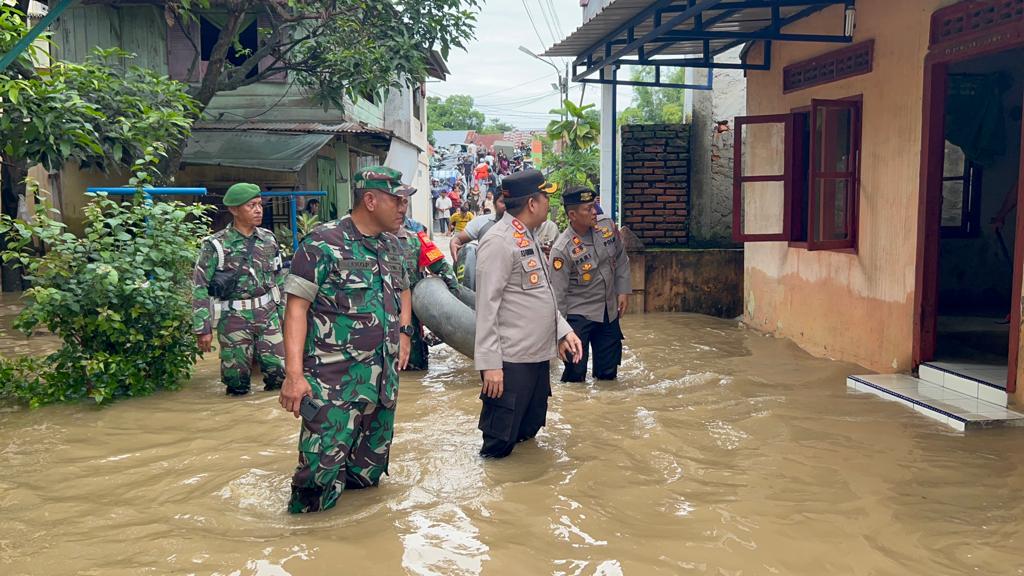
[{"x": 294, "y": 127}]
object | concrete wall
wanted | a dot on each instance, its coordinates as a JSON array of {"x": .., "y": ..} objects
[
  {"x": 399, "y": 117},
  {"x": 655, "y": 182},
  {"x": 852, "y": 307},
  {"x": 682, "y": 280},
  {"x": 711, "y": 154}
]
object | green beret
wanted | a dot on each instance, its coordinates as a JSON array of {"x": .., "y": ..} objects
[
  {"x": 241, "y": 193},
  {"x": 378, "y": 178}
]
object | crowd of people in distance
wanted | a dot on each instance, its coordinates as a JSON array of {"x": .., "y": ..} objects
[{"x": 459, "y": 198}]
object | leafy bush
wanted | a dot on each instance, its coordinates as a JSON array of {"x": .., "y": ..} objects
[{"x": 118, "y": 297}]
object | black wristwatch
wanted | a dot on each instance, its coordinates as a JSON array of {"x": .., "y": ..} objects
[{"x": 408, "y": 330}]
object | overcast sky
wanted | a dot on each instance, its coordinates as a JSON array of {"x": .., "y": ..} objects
[{"x": 506, "y": 83}]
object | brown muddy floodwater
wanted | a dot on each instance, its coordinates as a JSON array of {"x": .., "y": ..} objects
[{"x": 719, "y": 451}]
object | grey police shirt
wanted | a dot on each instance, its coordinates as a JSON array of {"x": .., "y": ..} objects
[
  {"x": 517, "y": 319},
  {"x": 590, "y": 271}
]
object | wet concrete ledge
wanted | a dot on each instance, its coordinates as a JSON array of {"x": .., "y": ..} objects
[{"x": 699, "y": 280}]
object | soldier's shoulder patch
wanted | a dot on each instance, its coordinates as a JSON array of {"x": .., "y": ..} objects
[{"x": 557, "y": 263}]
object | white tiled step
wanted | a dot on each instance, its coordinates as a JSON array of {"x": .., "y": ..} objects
[
  {"x": 945, "y": 405},
  {"x": 981, "y": 381}
]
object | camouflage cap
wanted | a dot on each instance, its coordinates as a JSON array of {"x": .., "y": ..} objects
[
  {"x": 241, "y": 193},
  {"x": 378, "y": 178}
]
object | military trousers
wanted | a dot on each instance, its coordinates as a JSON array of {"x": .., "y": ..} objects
[
  {"x": 245, "y": 335},
  {"x": 419, "y": 352},
  {"x": 346, "y": 445},
  {"x": 521, "y": 410},
  {"x": 605, "y": 339}
]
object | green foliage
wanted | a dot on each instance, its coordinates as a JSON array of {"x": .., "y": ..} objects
[
  {"x": 118, "y": 297},
  {"x": 304, "y": 221},
  {"x": 656, "y": 105},
  {"x": 579, "y": 163},
  {"x": 496, "y": 126},
  {"x": 580, "y": 129},
  {"x": 455, "y": 112},
  {"x": 99, "y": 113}
]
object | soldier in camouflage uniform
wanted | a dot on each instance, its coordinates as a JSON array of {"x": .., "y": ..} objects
[
  {"x": 347, "y": 327},
  {"x": 421, "y": 255},
  {"x": 248, "y": 319}
]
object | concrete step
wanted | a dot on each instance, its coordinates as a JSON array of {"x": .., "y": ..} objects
[
  {"x": 946, "y": 405},
  {"x": 983, "y": 381}
]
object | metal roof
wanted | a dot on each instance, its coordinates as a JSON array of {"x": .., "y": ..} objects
[
  {"x": 659, "y": 32},
  {"x": 295, "y": 127}
]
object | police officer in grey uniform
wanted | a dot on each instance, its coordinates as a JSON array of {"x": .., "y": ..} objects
[
  {"x": 518, "y": 327},
  {"x": 590, "y": 276}
]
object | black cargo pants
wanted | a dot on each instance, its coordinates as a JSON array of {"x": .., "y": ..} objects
[
  {"x": 605, "y": 338},
  {"x": 520, "y": 412}
]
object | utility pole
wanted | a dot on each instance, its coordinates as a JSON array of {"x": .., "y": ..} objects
[{"x": 563, "y": 81}]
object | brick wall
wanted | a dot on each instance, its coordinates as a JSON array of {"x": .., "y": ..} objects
[{"x": 655, "y": 182}]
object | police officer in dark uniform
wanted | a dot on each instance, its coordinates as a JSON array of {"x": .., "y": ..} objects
[
  {"x": 518, "y": 327},
  {"x": 591, "y": 281}
]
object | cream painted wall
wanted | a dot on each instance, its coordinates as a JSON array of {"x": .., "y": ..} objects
[{"x": 852, "y": 307}]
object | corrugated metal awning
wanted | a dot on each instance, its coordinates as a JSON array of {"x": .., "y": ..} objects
[
  {"x": 277, "y": 152},
  {"x": 686, "y": 33},
  {"x": 296, "y": 127}
]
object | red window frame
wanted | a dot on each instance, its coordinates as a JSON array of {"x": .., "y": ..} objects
[
  {"x": 818, "y": 213},
  {"x": 739, "y": 179},
  {"x": 796, "y": 219}
]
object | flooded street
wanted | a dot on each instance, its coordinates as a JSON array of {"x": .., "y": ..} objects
[{"x": 719, "y": 451}]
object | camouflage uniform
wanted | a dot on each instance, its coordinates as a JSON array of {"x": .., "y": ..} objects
[
  {"x": 414, "y": 250},
  {"x": 354, "y": 284},
  {"x": 249, "y": 321}
]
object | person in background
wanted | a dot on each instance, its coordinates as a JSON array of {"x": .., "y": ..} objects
[
  {"x": 443, "y": 211},
  {"x": 473, "y": 199},
  {"x": 518, "y": 327},
  {"x": 420, "y": 257},
  {"x": 237, "y": 289},
  {"x": 476, "y": 228},
  {"x": 348, "y": 322},
  {"x": 482, "y": 176},
  {"x": 590, "y": 276},
  {"x": 460, "y": 219},
  {"x": 313, "y": 207},
  {"x": 547, "y": 233},
  {"x": 456, "y": 199},
  {"x": 488, "y": 203}
]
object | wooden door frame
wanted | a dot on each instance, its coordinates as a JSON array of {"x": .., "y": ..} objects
[{"x": 963, "y": 47}]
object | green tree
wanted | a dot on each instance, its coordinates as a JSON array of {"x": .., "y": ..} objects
[
  {"x": 118, "y": 297},
  {"x": 656, "y": 105},
  {"x": 579, "y": 162},
  {"x": 101, "y": 113},
  {"x": 334, "y": 49},
  {"x": 455, "y": 112},
  {"x": 581, "y": 129},
  {"x": 496, "y": 126}
]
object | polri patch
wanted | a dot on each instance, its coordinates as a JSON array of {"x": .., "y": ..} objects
[
  {"x": 534, "y": 278},
  {"x": 557, "y": 263}
]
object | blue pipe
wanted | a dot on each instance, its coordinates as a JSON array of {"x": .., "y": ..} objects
[{"x": 123, "y": 191}]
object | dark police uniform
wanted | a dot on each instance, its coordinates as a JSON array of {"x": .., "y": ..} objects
[
  {"x": 517, "y": 325},
  {"x": 589, "y": 272}
]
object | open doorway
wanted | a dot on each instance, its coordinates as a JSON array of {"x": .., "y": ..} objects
[{"x": 980, "y": 165}]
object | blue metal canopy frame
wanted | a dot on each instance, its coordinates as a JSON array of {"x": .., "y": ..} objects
[
  {"x": 149, "y": 193},
  {"x": 663, "y": 19},
  {"x": 292, "y": 202}
]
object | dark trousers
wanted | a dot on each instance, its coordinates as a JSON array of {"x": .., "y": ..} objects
[
  {"x": 520, "y": 412},
  {"x": 605, "y": 338}
]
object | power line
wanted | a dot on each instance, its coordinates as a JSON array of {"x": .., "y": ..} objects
[
  {"x": 547, "y": 21},
  {"x": 558, "y": 20},
  {"x": 532, "y": 23}
]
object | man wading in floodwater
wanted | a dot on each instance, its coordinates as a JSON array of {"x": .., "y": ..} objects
[
  {"x": 236, "y": 285},
  {"x": 348, "y": 297},
  {"x": 518, "y": 327},
  {"x": 590, "y": 274}
]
